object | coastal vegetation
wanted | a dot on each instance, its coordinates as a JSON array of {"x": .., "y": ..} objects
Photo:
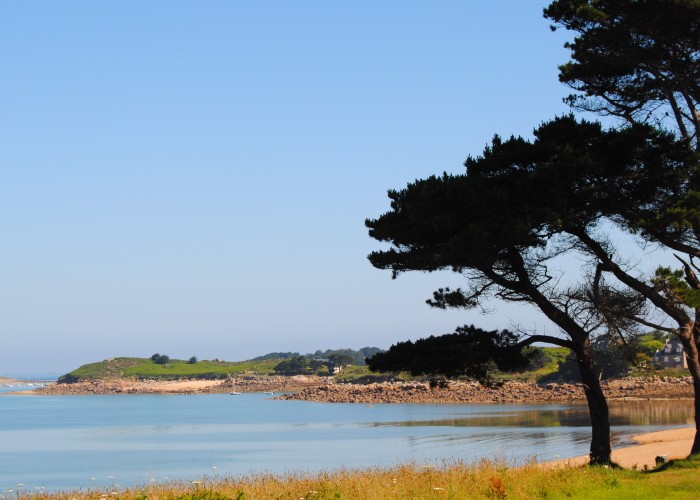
[
  {"x": 546, "y": 364},
  {"x": 486, "y": 479}
]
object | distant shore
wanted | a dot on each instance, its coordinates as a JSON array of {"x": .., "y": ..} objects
[
  {"x": 191, "y": 386},
  {"x": 6, "y": 380},
  {"x": 322, "y": 389}
]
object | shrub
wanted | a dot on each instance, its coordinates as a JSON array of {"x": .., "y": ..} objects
[{"x": 160, "y": 359}]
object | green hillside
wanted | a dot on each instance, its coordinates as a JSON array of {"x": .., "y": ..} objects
[{"x": 145, "y": 368}]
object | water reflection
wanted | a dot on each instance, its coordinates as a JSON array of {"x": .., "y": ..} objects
[
  {"x": 622, "y": 413},
  {"x": 637, "y": 412}
]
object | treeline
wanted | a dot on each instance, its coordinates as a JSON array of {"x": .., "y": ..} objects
[
  {"x": 493, "y": 356},
  {"x": 326, "y": 362}
]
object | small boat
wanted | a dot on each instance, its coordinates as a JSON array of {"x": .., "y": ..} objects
[
  {"x": 235, "y": 393},
  {"x": 269, "y": 393}
]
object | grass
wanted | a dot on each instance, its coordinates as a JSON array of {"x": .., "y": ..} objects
[
  {"x": 144, "y": 368},
  {"x": 486, "y": 479}
]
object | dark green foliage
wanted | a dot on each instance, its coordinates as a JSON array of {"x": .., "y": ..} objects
[
  {"x": 68, "y": 378},
  {"x": 469, "y": 352},
  {"x": 276, "y": 355},
  {"x": 358, "y": 356},
  {"x": 193, "y": 360},
  {"x": 160, "y": 359},
  {"x": 321, "y": 362},
  {"x": 537, "y": 358},
  {"x": 337, "y": 361},
  {"x": 368, "y": 352},
  {"x": 637, "y": 60},
  {"x": 672, "y": 284},
  {"x": 520, "y": 194},
  {"x": 625, "y": 65},
  {"x": 297, "y": 365}
]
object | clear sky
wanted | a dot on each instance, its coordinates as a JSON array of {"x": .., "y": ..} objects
[{"x": 192, "y": 178}]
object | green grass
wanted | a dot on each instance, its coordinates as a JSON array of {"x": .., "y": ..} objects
[
  {"x": 144, "y": 368},
  {"x": 486, "y": 479}
]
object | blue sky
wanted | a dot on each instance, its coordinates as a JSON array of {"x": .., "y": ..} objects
[{"x": 192, "y": 178}]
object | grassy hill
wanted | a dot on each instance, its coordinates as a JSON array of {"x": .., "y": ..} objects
[{"x": 145, "y": 368}]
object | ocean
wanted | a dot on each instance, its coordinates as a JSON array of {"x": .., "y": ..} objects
[{"x": 50, "y": 443}]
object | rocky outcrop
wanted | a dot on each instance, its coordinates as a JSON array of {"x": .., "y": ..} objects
[
  {"x": 266, "y": 384},
  {"x": 312, "y": 388},
  {"x": 473, "y": 393},
  {"x": 90, "y": 387}
]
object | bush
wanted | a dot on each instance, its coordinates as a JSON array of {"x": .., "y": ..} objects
[
  {"x": 68, "y": 378},
  {"x": 160, "y": 359}
]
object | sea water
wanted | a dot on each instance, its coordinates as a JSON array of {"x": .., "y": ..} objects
[{"x": 50, "y": 443}]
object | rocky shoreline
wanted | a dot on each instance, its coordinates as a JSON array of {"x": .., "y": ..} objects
[
  {"x": 320, "y": 389},
  {"x": 511, "y": 392}
]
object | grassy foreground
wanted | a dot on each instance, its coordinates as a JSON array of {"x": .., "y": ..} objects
[{"x": 487, "y": 479}]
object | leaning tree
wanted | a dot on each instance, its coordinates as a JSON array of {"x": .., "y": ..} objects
[
  {"x": 503, "y": 224},
  {"x": 521, "y": 205},
  {"x": 643, "y": 72}
]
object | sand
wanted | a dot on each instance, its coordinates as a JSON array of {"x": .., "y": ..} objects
[
  {"x": 175, "y": 385},
  {"x": 674, "y": 443}
]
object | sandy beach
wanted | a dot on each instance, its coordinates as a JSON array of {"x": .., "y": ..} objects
[
  {"x": 190, "y": 386},
  {"x": 673, "y": 444}
]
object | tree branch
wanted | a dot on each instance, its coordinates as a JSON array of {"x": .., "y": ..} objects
[
  {"x": 547, "y": 339},
  {"x": 672, "y": 308}
]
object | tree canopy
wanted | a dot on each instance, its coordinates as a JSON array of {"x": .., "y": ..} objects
[
  {"x": 470, "y": 352},
  {"x": 634, "y": 59}
]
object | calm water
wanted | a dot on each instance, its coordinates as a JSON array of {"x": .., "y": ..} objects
[{"x": 69, "y": 442}]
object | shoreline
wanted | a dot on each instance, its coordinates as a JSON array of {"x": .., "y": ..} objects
[
  {"x": 120, "y": 386},
  {"x": 321, "y": 389},
  {"x": 672, "y": 444}
]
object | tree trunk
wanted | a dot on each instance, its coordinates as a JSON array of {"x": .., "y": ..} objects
[
  {"x": 601, "y": 448},
  {"x": 693, "y": 357}
]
